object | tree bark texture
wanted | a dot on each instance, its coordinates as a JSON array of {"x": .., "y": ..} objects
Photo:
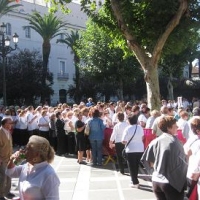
[
  {"x": 153, "y": 90},
  {"x": 148, "y": 63},
  {"x": 170, "y": 88},
  {"x": 46, "y": 48}
]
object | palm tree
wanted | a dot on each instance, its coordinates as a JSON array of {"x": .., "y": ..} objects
[
  {"x": 71, "y": 41},
  {"x": 48, "y": 27},
  {"x": 7, "y": 6}
]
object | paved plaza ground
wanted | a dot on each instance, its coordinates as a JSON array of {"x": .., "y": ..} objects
[{"x": 84, "y": 182}]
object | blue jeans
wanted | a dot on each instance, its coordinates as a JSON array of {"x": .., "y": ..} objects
[{"x": 96, "y": 151}]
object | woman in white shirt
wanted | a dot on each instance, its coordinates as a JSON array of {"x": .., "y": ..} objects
[
  {"x": 23, "y": 128},
  {"x": 32, "y": 118},
  {"x": 69, "y": 126},
  {"x": 115, "y": 118},
  {"x": 134, "y": 149},
  {"x": 43, "y": 123},
  {"x": 116, "y": 138},
  {"x": 37, "y": 179},
  {"x": 107, "y": 120}
]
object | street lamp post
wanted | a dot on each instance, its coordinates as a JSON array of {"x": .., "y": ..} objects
[{"x": 4, "y": 50}]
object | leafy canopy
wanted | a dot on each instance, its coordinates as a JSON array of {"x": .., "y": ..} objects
[
  {"x": 104, "y": 62},
  {"x": 24, "y": 77}
]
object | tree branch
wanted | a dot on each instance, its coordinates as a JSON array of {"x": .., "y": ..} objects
[
  {"x": 131, "y": 39},
  {"x": 169, "y": 28}
]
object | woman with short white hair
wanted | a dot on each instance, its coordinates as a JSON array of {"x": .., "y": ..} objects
[{"x": 37, "y": 178}]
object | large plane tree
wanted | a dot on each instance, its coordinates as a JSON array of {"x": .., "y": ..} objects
[{"x": 149, "y": 29}]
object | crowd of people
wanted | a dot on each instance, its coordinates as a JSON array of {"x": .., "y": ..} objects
[{"x": 79, "y": 130}]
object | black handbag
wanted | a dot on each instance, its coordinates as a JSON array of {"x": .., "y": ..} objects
[{"x": 124, "y": 155}]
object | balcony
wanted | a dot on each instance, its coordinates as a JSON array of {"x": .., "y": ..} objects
[{"x": 63, "y": 76}]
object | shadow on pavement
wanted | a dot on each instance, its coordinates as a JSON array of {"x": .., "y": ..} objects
[{"x": 146, "y": 188}]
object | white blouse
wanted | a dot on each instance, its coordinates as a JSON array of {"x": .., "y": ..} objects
[
  {"x": 43, "y": 121},
  {"x": 37, "y": 183},
  {"x": 118, "y": 131},
  {"x": 136, "y": 144}
]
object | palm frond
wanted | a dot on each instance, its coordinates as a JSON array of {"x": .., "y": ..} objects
[
  {"x": 7, "y": 6},
  {"x": 70, "y": 39},
  {"x": 48, "y": 25}
]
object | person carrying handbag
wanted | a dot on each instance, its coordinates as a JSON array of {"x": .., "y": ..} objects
[{"x": 133, "y": 139}]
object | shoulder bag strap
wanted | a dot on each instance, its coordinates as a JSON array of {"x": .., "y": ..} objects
[
  {"x": 131, "y": 138},
  {"x": 45, "y": 120},
  {"x": 194, "y": 142}
]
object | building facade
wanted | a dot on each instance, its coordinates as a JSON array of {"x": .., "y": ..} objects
[{"x": 61, "y": 57}]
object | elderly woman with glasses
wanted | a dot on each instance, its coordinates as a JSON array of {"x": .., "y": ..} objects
[{"x": 37, "y": 178}]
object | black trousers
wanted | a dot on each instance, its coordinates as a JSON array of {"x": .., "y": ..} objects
[
  {"x": 44, "y": 134},
  {"x": 16, "y": 136},
  {"x": 23, "y": 137},
  {"x": 61, "y": 144},
  {"x": 119, "y": 147},
  {"x": 71, "y": 143},
  {"x": 33, "y": 132},
  {"x": 133, "y": 165},
  {"x": 53, "y": 142},
  {"x": 164, "y": 191}
]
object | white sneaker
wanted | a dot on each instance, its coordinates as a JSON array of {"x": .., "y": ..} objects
[{"x": 134, "y": 186}]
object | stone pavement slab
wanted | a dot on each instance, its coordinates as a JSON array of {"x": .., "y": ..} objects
[{"x": 84, "y": 182}]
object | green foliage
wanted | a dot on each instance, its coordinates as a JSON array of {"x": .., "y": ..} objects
[
  {"x": 59, "y": 5},
  {"x": 104, "y": 63},
  {"x": 177, "y": 58},
  {"x": 24, "y": 78},
  {"x": 7, "y": 6},
  {"x": 147, "y": 20},
  {"x": 70, "y": 40},
  {"x": 87, "y": 87},
  {"x": 151, "y": 29},
  {"x": 47, "y": 26}
]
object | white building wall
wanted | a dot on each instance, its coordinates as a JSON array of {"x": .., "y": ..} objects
[{"x": 59, "y": 52}]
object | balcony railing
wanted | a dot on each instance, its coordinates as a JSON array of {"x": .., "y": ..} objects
[{"x": 63, "y": 76}]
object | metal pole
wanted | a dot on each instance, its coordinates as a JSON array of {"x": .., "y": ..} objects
[
  {"x": 4, "y": 82},
  {"x": 5, "y": 49},
  {"x": 4, "y": 69}
]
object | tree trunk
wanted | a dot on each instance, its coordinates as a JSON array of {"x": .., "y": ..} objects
[
  {"x": 46, "y": 48},
  {"x": 121, "y": 89},
  {"x": 148, "y": 60},
  {"x": 190, "y": 70},
  {"x": 77, "y": 79},
  {"x": 153, "y": 90},
  {"x": 170, "y": 88}
]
